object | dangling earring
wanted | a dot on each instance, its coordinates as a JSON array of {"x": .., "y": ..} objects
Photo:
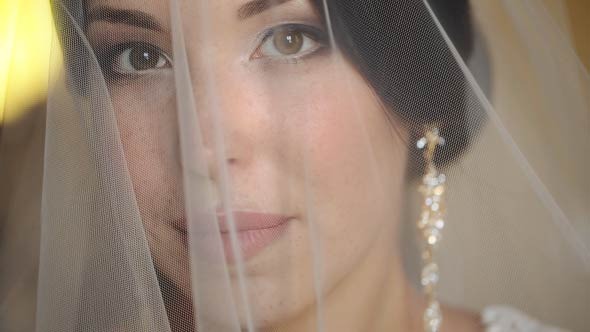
[{"x": 430, "y": 226}]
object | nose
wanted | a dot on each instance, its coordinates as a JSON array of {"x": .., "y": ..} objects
[{"x": 231, "y": 121}]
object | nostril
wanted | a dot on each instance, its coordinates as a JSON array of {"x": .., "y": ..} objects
[{"x": 232, "y": 161}]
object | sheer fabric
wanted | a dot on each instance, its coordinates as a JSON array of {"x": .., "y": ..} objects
[{"x": 252, "y": 166}]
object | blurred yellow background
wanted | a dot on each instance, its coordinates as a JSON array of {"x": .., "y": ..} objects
[{"x": 26, "y": 32}]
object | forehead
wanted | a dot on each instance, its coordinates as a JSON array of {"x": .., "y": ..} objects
[
  {"x": 158, "y": 8},
  {"x": 243, "y": 8},
  {"x": 218, "y": 15},
  {"x": 145, "y": 5}
]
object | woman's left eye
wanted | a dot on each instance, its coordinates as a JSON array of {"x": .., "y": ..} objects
[{"x": 290, "y": 41}]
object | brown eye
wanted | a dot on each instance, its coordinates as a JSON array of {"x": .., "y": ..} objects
[
  {"x": 140, "y": 58},
  {"x": 143, "y": 57},
  {"x": 288, "y": 42}
]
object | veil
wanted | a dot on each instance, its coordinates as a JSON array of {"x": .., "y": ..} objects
[{"x": 299, "y": 165}]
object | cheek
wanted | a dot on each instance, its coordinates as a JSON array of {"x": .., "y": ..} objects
[
  {"x": 356, "y": 161},
  {"x": 353, "y": 148},
  {"x": 148, "y": 130}
]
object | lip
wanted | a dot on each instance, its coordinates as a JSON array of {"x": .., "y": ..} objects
[{"x": 254, "y": 231}]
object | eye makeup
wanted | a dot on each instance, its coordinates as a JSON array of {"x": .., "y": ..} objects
[
  {"x": 290, "y": 42},
  {"x": 132, "y": 59}
]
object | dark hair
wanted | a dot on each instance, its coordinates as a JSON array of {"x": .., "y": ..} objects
[{"x": 401, "y": 52}]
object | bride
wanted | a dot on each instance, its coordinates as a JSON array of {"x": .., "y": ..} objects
[{"x": 293, "y": 165}]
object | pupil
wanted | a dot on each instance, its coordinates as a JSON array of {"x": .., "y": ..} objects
[
  {"x": 144, "y": 58},
  {"x": 288, "y": 42}
]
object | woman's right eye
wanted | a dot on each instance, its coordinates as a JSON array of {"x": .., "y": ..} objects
[{"x": 137, "y": 59}]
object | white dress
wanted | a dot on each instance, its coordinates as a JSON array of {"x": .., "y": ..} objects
[{"x": 507, "y": 319}]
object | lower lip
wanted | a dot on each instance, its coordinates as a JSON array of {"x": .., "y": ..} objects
[{"x": 251, "y": 242}]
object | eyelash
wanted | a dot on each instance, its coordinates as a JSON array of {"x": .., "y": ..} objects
[
  {"x": 314, "y": 34},
  {"x": 108, "y": 59}
]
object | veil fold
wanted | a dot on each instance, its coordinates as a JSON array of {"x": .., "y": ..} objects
[{"x": 253, "y": 166}]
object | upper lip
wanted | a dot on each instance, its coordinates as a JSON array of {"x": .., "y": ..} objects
[
  {"x": 249, "y": 220},
  {"x": 243, "y": 220}
]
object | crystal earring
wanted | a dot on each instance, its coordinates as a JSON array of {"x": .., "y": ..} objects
[{"x": 430, "y": 225}]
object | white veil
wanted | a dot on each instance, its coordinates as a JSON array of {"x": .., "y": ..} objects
[{"x": 197, "y": 177}]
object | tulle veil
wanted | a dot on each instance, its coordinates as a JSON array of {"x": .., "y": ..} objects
[{"x": 212, "y": 147}]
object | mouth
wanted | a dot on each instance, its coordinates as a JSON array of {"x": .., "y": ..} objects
[{"x": 251, "y": 232}]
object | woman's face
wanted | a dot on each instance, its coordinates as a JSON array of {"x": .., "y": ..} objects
[{"x": 294, "y": 138}]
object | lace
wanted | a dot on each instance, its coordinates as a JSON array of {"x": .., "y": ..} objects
[{"x": 507, "y": 319}]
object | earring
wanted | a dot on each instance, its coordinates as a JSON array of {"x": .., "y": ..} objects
[{"x": 430, "y": 226}]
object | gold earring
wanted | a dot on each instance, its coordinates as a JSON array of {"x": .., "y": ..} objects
[{"x": 430, "y": 225}]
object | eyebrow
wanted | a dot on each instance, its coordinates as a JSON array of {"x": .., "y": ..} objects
[
  {"x": 143, "y": 20},
  {"x": 256, "y": 7},
  {"x": 124, "y": 16}
]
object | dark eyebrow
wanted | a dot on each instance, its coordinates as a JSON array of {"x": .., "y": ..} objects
[
  {"x": 124, "y": 16},
  {"x": 255, "y": 7}
]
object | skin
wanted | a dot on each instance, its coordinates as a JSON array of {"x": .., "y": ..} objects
[{"x": 303, "y": 137}]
